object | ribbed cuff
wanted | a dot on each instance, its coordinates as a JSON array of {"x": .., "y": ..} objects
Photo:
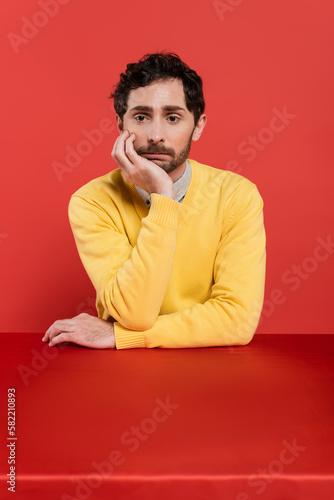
[
  {"x": 127, "y": 339},
  {"x": 164, "y": 211}
]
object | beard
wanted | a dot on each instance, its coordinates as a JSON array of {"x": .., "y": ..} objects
[{"x": 177, "y": 159}]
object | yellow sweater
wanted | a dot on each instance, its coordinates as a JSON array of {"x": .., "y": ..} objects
[{"x": 187, "y": 274}]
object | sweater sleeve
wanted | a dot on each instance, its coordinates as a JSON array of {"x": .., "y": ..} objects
[
  {"x": 125, "y": 278},
  {"x": 231, "y": 315}
]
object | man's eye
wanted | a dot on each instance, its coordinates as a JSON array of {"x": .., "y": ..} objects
[
  {"x": 174, "y": 118},
  {"x": 140, "y": 118}
]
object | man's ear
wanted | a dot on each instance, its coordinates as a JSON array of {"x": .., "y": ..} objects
[
  {"x": 119, "y": 124},
  {"x": 199, "y": 127}
]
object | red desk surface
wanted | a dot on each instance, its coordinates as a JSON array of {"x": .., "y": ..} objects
[{"x": 242, "y": 423}]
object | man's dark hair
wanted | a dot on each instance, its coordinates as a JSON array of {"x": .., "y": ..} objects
[{"x": 160, "y": 66}]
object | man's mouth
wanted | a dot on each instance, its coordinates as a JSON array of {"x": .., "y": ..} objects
[{"x": 157, "y": 156}]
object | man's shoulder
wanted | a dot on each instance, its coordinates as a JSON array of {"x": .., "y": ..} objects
[
  {"x": 105, "y": 185},
  {"x": 228, "y": 180}
]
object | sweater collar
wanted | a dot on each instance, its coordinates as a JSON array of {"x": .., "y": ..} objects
[{"x": 188, "y": 204}]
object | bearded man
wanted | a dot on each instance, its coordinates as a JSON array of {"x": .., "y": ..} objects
[{"x": 175, "y": 249}]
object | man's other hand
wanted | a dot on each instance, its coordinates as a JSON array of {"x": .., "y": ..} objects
[
  {"x": 84, "y": 329},
  {"x": 138, "y": 170}
]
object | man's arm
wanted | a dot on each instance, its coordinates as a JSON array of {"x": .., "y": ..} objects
[
  {"x": 125, "y": 278},
  {"x": 131, "y": 282},
  {"x": 231, "y": 315}
]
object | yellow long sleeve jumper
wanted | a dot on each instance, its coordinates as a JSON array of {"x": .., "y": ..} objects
[{"x": 187, "y": 274}]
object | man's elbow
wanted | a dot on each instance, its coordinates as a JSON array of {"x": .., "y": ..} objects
[
  {"x": 128, "y": 314},
  {"x": 243, "y": 325},
  {"x": 138, "y": 319},
  {"x": 134, "y": 319},
  {"x": 246, "y": 327},
  {"x": 137, "y": 324}
]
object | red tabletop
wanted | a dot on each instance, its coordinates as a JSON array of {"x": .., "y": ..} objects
[{"x": 242, "y": 423}]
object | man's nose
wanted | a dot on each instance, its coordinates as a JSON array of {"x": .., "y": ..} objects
[{"x": 155, "y": 133}]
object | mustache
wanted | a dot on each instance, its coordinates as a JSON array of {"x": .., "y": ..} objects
[{"x": 152, "y": 148}]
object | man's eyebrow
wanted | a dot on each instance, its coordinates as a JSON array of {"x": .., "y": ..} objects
[{"x": 169, "y": 107}]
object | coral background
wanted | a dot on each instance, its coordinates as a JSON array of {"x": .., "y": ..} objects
[{"x": 268, "y": 75}]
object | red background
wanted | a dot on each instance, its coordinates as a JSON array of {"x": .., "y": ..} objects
[{"x": 255, "y": 57}]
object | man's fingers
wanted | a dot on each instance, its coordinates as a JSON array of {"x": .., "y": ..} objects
[
  {"x": 62, "y": 337},
  {"x": 124, "y": 152},
  {"x": 119, "y": 143},
  {"x": 48, "y": 331},
  {"x": 129, "y": 148},
  {"x": 83, "y": 329},
  {"x": 120, "y": 147},
  {"x": 59, "y": 326},
  {"x": 120, "y": 139},
  {"x": 121, "y": 151}
]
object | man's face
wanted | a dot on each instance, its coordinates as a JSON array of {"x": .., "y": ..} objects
[{"x": 163, "y": 125}]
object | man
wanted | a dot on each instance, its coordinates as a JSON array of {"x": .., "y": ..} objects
[{"x": 175, "y": 249}]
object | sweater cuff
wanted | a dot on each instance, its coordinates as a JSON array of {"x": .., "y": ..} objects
[
  {"x": 164, "y": 211},
  {"x": 127, "y": 339}
]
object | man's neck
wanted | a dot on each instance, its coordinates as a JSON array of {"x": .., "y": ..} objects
[{"x": 178, "y": 172}]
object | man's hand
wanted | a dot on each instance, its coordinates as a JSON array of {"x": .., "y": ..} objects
[
  {"x": 85, "y": 330},
  {"x": 138, "y": 170}
]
